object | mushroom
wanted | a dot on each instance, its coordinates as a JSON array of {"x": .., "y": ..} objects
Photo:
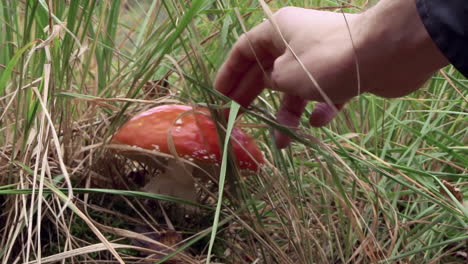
[{"x": 190, "y": 133}]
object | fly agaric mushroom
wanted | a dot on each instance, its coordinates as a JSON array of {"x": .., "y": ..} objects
[{"x": 188, "y": 133}]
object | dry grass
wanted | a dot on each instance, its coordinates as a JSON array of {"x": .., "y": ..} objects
[{"x": 385, "y": 183}]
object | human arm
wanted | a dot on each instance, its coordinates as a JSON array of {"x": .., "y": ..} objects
[{"x": 390, "y": 47}]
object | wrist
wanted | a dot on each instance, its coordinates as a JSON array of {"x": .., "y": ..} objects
[{"x": 394, "y": 38}]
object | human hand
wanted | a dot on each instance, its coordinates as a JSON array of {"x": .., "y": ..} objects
[{"x": 391, "y": 63}]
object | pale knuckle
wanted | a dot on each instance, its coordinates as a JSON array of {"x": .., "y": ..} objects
[
  {"x": 242, "y": 37},
  {"x": 279, "y": 79},
  {"x": 285, "y": 12}
]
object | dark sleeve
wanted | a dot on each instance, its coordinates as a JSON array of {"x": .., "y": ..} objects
[{"x": 447, "y": 24}]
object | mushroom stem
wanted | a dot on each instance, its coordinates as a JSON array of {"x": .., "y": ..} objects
[{"x": 176, "y": 181}]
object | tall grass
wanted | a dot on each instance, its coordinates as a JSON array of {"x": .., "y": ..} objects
[{"x": 385, "y": 182}]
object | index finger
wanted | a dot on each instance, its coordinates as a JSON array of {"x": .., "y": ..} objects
[{"x": 254, "y": 47}]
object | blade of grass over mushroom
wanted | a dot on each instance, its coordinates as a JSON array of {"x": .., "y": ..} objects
[{"x": 222, "y": 176}]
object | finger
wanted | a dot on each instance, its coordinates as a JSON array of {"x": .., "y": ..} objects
[
  {"x": 248, "y": 88},
  {"x": 287, "y": 75},
  {"x": 289, "y": 115},
  {"x": 255, "y": 47},
  {"x": 323, "y": 113}
]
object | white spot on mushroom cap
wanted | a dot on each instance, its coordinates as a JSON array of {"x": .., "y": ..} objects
[
  {"x": 156, "y": 147},
  {"x": 203, "y": 154},
  {"x": 200, "y": 152}
]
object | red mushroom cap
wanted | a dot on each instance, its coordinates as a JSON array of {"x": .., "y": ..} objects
[{"x": 193, "y": 134}]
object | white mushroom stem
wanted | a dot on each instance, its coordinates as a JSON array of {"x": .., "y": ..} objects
[{"x": 176, "y": 181}]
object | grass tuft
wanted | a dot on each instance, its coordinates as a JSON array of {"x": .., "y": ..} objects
[{"x": 384, "y": 183}]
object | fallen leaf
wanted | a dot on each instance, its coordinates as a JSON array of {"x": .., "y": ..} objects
[{"x": 456, "y": 192}]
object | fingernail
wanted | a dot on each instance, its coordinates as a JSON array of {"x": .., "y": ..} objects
[{"x": 323, "y": 114}]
